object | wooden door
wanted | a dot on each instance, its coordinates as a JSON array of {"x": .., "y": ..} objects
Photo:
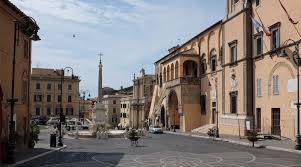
[{"x": 276, "y": 121}]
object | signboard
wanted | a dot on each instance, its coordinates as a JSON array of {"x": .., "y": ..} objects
[
  {"x": 248, "y": 125},
  {"x": 292, "y": 85}
]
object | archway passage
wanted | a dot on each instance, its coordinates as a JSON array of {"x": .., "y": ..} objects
[
  {"x": 162, "y": 116},
  {"x": 173, "y": 111}
]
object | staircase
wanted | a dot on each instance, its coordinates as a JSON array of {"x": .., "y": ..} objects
[{"x": 203, "y": 129}]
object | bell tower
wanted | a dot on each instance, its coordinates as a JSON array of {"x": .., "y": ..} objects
[{"x": 235, "y": 6}]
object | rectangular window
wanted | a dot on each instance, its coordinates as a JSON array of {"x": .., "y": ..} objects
[
  {"x": 203, "y": 66},
  {"x": 120, "y": 105},
  {"x": 233, "y": 50},
  {"x": 37, "y": 98},
  {"x": 38, "y": 110},
  {"x": 124, "y": 115},
  {"x": 48, "y": 86},
  {"x": 203, "y": 104},
  {"x": 69, "y": 111},
  {"x": 120, "y": 114},
  {"x": 233, "y": 102},
  {"x": 213, "y": 63},
  {"x": 114, "y": 110},
  {"x": 275, "y": 38},
  {"x": 124, "y": 105},
  {"x": 69, "y": 99},
  {"x": 38, "y": 86},
  {"x": 59, "y": 98},
  {"x": 59, "y": 86},
  {"x": 69, "y": 87},
  {"x": 114, "y": 101},
  {"x": 48, "y": 98},
  {"x": 259, "y": 87},
  {"x": 259, "y": 43},
  {"x": 275, "y": 80},
  {"x": 48, "y": 111}
]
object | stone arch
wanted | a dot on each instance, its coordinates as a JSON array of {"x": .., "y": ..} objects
[
  {"x": 173, "y": 110},
  {"x": 164, "y": 74},
  {"x": 172, "y": 71},
  {"x": 177, "y": 69},
  {"x": 211, "y": 33},
  {"x": 276, "y": 66},
  {"x": 168, "y": 73}
]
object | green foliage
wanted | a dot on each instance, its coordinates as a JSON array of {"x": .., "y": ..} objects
[
  {"x": 34, "y": 134},
  {"x": 253, "y": 137},
  {"x": 212, "y": 132}
]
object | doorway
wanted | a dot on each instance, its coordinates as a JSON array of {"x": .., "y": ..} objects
[
  {"x": 276, "y": 121},
  {"x": 162, "y": 116},
  {"x": 258, "y": 119}
]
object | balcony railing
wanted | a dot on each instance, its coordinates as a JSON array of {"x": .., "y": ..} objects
[{"x": 183, "y": 81}]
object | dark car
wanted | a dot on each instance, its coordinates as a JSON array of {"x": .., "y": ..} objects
[{"x": 40, "y": 120}]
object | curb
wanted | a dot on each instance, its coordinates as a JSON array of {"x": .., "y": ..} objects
[
  {"x": 35, "y": 157},
  {"x": 237, "y": 142}
]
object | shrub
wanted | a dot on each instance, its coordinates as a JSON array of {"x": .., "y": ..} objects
[
  {"x": 212, "y": 132},
  {"x": 252, "y": 136}
]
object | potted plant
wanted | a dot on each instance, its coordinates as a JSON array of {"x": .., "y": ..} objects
[{"x": 252, "y": 137}]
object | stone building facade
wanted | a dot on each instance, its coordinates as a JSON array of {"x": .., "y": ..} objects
[
  {"x": 8, "y": 14},
  {"x": 125, "y": 110},
  {"x": 45, "y": 93},
  {"x": 142, "y": 97},
  {"x": 232, "y": 76},
  {"x": 112, "y": 109}
]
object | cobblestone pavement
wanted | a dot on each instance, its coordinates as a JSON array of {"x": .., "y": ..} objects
[{"x": 163, "y": 150}]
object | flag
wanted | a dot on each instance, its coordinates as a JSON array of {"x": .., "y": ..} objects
[
  {"x": 257, "y": 25},
  {"x": 289, "y": 17}
]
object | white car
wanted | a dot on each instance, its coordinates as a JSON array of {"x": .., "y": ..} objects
[
  {"x": 155, "y": 129},
  {"x": 71, "y": 125},
  {"x": 53, "y": 121}
]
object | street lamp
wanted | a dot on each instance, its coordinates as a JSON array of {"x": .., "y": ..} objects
[
  {"x": 62, "y": 117},
  {"x": 83, "y": 97},
  {"x": 32, "y": 33},
  {"x": 297, "y": 61}
]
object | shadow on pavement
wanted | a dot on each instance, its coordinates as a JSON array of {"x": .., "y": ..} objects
[{"x": 72, "y": 159}]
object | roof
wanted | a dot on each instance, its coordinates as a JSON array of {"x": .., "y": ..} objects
[
  {"x": 22, "y": 14},
  {"x": 201, "y": 33}
]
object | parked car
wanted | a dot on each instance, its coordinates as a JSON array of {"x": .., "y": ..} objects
[
  {"x": 71, "y": 125},
  {"x": 155, "y": 129},
  {"x": 40, "y": 120},
  {"x": 53, "y": 121}
]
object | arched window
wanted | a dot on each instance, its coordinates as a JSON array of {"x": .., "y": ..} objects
[
  {"x": 168, "y": 74},
  {"x": 172, "y": 72},
  {"x": 160, "y": 80},
  {"x": 177, "y": 70},
  {"x": 164, "y": 74}
]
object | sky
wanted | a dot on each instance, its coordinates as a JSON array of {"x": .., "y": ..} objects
[{"x": 130, "y": 34}]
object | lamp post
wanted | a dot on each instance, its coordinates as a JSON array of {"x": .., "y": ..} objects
[
  {"x": 62, "y": 117},
  {"x": 32, "y": 33},
  {"x": 83, "y": 97},
  {"x": 297, "y": 61}
]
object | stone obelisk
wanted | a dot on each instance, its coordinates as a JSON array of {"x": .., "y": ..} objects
[
  {"x": 100, "y": 108},
  {"x": 100, "y": 79}
]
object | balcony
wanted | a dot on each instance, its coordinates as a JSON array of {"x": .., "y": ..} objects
[{"x": 183, "y": 81}]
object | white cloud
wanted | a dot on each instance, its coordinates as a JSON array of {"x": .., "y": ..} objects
[{"x": 77, "y": 11}]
